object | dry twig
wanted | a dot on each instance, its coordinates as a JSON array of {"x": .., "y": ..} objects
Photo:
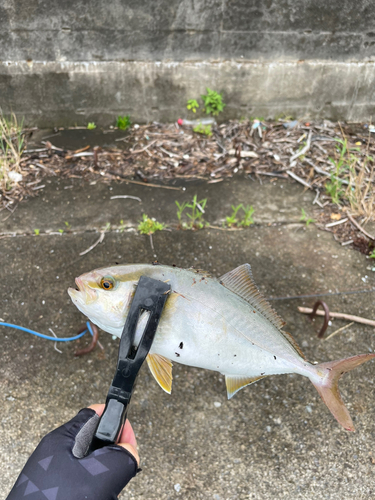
[
  {"x": 358, "y": 226},
  {"x": 349, "y": 317}
]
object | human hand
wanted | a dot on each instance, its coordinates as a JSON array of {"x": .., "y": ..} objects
[
  {"x": 127, "y": 438},
  {"x": 61, "y": 469}
]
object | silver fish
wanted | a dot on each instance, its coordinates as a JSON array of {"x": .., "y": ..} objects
[{"x": 223, "y": 324}]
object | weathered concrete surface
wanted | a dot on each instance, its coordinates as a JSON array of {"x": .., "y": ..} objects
[
  {"x": 73, "y": 93},
  {"x": 77, "y": 61},
  {"x": 77, "y": 30},
  {"x": 275, "y": 439},
  {"x": 86, "y": 210}
]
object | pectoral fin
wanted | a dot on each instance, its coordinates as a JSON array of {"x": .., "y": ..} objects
[
  {"x": 234, "y": 383},
  {"x": 161, "y": 368}
]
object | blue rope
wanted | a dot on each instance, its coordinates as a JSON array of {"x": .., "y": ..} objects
[{"x": 48, "y": 337}]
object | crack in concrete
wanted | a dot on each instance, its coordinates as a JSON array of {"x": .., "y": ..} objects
[{"x": 133, "y": 228}]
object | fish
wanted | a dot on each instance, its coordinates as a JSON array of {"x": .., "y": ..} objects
[{"x": 222, "y": 324}]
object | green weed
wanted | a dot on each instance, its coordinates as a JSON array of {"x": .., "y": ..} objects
[
  {"x": 283, "y": 117},
  {"x": 68, "y": 227},
  {"x": 203, "y": 129},
  {"x": 305, "y": 218},
  {"x": 213, "y": 102},
  {"x": 232, "y": 219},
  {"x": 149, "y": 226},
  {"x": 91, "y": 126},
  {"x": 195, "y": 216},
  {"x": 352, "y": 180},
  {"x": 245, "y": 221},
  {"x": 123, "y": 122},
  {"x": 192, "y": 105},
  {"x": 334, "y": 186},
  {"x": 247, "y": 218},
  {"x": 122, "y": 226},
  {"x": 180, "y": 210},
  {"x": 36, "y": 232},
  {"x": 372, "y": 254}
]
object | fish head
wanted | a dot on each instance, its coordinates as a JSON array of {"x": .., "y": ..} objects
[{"x": 104, "y": 296}]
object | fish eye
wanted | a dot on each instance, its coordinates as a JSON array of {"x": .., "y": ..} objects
[{"x": 107, "y": 283}]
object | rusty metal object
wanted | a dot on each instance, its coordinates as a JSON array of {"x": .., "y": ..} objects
[
  {"x": 97, "y": 149},
  {"x": 93, "y": 343},
  {"x": 326, "y": 316}
]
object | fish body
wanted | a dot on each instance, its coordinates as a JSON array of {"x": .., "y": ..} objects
[{"x": 221, "y": 324}]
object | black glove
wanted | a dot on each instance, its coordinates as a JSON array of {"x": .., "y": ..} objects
[{"x": 59, "y": 470}]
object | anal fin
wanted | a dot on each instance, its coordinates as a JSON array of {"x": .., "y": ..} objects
[
  {"x": 235, "y": 383},
  {"x": 161, "y": 369}
]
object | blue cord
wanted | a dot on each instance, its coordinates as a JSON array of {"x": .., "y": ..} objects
[{"x": 55, "y": 339}]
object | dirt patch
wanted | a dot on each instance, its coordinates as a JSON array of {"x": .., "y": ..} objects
[{"x": 327, "y": 157}]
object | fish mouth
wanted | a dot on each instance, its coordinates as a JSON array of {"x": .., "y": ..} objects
[{"x": 83, "y": 293}]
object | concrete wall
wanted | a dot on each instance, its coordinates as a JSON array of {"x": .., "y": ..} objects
[{"x": 65, "y": 62}]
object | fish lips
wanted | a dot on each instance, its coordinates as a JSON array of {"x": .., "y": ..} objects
[{"x": 84, "y": 295}]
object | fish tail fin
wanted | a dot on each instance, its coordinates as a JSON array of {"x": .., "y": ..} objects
[{"x": 328, "y": 386}]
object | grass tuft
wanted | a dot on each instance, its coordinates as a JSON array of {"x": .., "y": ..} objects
[
  {"x": 11, "y": 147},
  {"x": 352, "y": 180}
]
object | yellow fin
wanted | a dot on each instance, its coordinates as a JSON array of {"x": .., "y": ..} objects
[
  {"x": 241, "y": 282},
  {"x": 161, "y": 368},
  {"x": 234, "y": 383}
]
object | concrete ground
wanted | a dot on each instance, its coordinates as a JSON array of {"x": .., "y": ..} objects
[{"x": 273, "y": 440}]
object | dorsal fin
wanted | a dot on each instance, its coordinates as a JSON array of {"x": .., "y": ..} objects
[
  {"x": 289, "y": 337},
  {"x": 241, "y": 282}
]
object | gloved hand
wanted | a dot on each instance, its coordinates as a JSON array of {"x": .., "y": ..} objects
[{"x": 59, "y": 470}]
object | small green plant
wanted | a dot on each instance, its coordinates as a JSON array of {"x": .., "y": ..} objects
[
  {"x": 305, "y": 218},
  {"x": 68, "y": 226},
  {"x": 334, "y": 189},
  {"x": 247, "y": 218},
  {"x": 123, "y": 122},
  {"x": 334, "y": 185},
  {"x": 196, "y": 220},
  {"x": 91, "y": 126},
  {"x": 342, "y": 166},
  {"x": 122, "y": 226},
  {"x": 192, "y": 105},
  {"x": 232, "y": 219},
  {"x": 36, "y": 232},
  {"x": 149, "y": 226},
  {"x": 61, "y": 231},
  {"x": 203, "y": 129},
  {"x": 213, "y": 102},
  {"x": 245, "y": 221},
  {"x": 180, "y": 209},
  {"x": 196, "y": 214},
  {"x": 372, "y": 254}
]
